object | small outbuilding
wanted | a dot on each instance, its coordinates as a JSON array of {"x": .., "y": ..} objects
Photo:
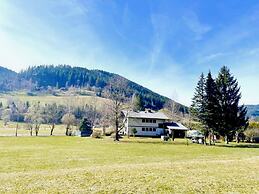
[{"x": 175, "y": 130}]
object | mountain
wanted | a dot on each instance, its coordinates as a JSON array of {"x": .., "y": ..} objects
[
  {"x": 8, "y": 79},
  {"x": 64, "y": 76},
  {"x": 252, "y": 111}
]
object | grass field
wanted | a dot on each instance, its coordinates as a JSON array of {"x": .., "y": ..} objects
[
  {"x": 50, "y": 99},
  {"x": 135, "y": 165},
  {"x": 10, "y": 129}
]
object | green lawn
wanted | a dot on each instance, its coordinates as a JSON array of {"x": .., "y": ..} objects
[
  {"x": 85, "y": 165},
  {"x": 10, "y": 129}
]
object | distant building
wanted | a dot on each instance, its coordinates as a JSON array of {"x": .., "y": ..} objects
[
  {"x": 152, "y": 124},
  {"x": 177, "y": 130},
  {"x": 146, "y": 123}
]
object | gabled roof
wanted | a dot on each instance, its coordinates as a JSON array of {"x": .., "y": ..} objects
[
  {"x": 176, "y": 126},
  {"x": 146, "y": 114}
]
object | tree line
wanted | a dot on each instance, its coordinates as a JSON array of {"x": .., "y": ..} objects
[
  {"x": 64, "y": 76},
  {"x": 36, "y": 114},
  {"x": 71, "y": 114},
  {"x": 216, "y": 105}
]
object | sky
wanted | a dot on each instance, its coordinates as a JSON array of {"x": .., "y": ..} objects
[{"x": 163, "y": 45}]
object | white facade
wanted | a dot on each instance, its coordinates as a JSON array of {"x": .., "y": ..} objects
[{"x": 145, "y": 123}]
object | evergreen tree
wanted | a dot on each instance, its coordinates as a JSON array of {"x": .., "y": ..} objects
[
  {"x": 216, "y": 105},
  {"x": 232, "y": 117},
  {"x": 85, "y": 126},
  {"x": 211, "y": 105},
  {"x": 198, "y": 101},
  {"x": 137, "y": 103}
]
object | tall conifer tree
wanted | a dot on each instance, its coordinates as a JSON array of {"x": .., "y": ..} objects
[
  {"x": 232, "y": 117},
  {"x": 216, "y": 104},
  {"x": 211, "y": 105},
  {"x": 197, "y": 107}
]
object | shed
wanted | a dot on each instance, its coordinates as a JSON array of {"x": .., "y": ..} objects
[{"x": 176, "y": 130}]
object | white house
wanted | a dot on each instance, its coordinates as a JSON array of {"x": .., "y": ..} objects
[{"x": 146, "y": 123}]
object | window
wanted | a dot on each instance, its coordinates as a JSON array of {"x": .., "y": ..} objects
[
  {"x": 160, "y": 125},
  {"x": 154, "y": 129},
  {"x": 150, "y": 129},
  {"x": 148, "y": 120},
  {"x": 143, "y": 129}
]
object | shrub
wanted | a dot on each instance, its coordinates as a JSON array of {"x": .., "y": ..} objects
[
  {"x": 251, "y": 134},
  {"x": 108, "y": 133},
  {"x": 134, "y": 131},
  {"x": 96, "y": 134},
  {"x": 70, "y": 133},
  {"x": 85, "y": 125}
]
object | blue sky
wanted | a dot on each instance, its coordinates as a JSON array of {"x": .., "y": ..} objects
[{"x": 161, "y": 44}]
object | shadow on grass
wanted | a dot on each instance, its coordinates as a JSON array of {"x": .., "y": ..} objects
[
  {"x": 184, "y": 142},
  {"x": 154, "y": 141},
  {"x": 247, "y": 145}
]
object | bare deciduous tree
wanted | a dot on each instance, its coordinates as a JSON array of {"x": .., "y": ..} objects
[
  {"x": 6, "y": 115},
  {"x": 53, "y": 115},
  {"x": 69, "y": 120},
  {"x": 173, "y": 107},
  {"x": 34, "y": 117},
  {"x": 116, "y": 92}
]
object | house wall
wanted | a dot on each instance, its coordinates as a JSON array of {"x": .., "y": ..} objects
[{"x": 150, "y": 128}]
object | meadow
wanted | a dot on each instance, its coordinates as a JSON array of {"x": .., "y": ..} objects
[
  {"x": 60, "y": 164},
  {"x": 65, "y": 98},
  {"x": 10, "y": 129}
]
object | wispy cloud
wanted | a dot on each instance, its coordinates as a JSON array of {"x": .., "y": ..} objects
[
  {"x": 160, "y": 24},
  {"x": 195, "y": 25},
  {"x": 163, "y": 46}
]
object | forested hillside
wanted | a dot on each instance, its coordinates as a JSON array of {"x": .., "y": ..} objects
[
  {"x": 7, "y": 79},
  {"x": 64, "y": 76},
  {"x": 253, "y": 111}
]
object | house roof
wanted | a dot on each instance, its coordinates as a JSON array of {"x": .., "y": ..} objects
[
  {"x": 176, "y": 126},
  {"x": 146, "y": 114}
]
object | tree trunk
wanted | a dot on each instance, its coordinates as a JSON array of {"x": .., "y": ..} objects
[
  {"x": 213, "y": 139},
  {"x": 67, "y": 128},
  {"x": 116, "y": 132},
  {"x": 36, "y": 131},
  {"x": 226, "y": 139},
  {"x": 31, "y": 131},
  {"x": 173, "y": 135},
  {"x": 37, "y": 128},
  {"x": 116, "y": 128},
  {"x": 52, "y": 129},
  {"x": 237, "y": 138},
  {"x": 104, "y": 130},
  {"x": 210, "y": 137},
  {"x": 16, "y": 129}
]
